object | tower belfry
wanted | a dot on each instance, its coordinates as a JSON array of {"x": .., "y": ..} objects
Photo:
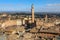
[{"x": 32, "y": 11}]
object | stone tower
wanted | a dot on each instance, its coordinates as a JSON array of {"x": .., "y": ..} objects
[
  {"x": 32, "y": 11},
  {"x": 46, "y": 18}
]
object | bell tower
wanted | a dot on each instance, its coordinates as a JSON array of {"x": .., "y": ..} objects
[
  {"x": 32, "y": 11},
  {"x": 46, "y": 18}
]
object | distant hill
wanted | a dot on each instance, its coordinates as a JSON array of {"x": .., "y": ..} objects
[{"x": 40, "y": 14}]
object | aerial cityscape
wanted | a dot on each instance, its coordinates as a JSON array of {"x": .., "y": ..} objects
[{"x": 29, "y": 24}]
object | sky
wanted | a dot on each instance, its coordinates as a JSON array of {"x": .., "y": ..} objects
[{"x": 25, "y": 5}]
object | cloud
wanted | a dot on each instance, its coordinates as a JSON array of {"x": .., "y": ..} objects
[
  {"x": 53, "y": 4},
  {"x": 50, "y": 8}
]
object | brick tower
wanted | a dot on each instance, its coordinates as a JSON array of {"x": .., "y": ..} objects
[{"x": 32, "y": 11}]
